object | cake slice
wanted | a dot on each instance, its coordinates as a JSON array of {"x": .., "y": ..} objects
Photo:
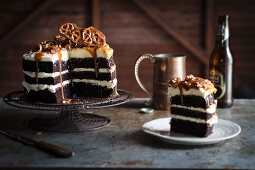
[
  {"x": 46, "y": 75},
  {"x": 88, "y": 81},
  {"x": 193, "y": 108},
  {"x": 91, "y": 64}
]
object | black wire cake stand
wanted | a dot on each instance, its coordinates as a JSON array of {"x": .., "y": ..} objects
[{"x": 69, "y": 119}]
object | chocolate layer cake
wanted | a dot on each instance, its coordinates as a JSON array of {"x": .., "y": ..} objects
[
  {"x": 78, "y": 62},
  {"x": 100, "y": 80},
  {"x": 193, "y": 108},
  {"x": 93, "y": 71},
  {"x": 46, "y": 77}
]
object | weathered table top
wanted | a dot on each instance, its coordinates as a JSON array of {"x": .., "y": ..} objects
[{"x": 122, "y": 144}]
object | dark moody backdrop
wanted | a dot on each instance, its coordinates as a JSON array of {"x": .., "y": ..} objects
[{"x": 133, "y": 28}]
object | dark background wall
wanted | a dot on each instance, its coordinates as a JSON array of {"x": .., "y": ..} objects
[{"x": 132, "y": 28}]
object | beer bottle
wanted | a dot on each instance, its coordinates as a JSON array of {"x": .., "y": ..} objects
[{"x": 221, "y": 65}]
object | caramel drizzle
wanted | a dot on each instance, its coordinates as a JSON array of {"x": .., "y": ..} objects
[
  {"x": 38, "y": 58},
  {"x": 191, "y": 82},
  {"x": 60, "y": 76},
  {"x": 74, "y": 36}
]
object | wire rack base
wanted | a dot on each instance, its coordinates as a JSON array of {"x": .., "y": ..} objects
[
  {"x": 69, "y": 118},
  {"x": 69, "y": 121}
]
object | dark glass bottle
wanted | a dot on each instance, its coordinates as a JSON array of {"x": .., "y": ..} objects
[{"x": 221, "y": 65}]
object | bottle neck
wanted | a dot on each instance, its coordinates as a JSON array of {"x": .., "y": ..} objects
[
  {"x": 222, "y": 44},
  {"x": 222, "y": 39}
]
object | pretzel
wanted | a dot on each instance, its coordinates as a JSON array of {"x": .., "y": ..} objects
[
  {"x": 67, "y": 29},
  {"x": 76, "y": 36},
  {"x": 90, "y": 36},
  {"x": 93, "y": 37},
  {"x": 46, "y": 44},
  {"x": 86, "y": 36},
  {"x": 98, "y": 38},
  {"x": 59, "y": 38}
]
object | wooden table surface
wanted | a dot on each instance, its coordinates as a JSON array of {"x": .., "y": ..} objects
[{"x": 122, "y": 144}]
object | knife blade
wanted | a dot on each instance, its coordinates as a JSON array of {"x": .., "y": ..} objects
[{"x": 45, "y": 146}]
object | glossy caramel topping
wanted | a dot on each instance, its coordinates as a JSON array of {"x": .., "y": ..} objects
[
  {"x": 47, "y": 46},
  {"x": 193, "y": 82},
  {"x": 38, "y": 56}
]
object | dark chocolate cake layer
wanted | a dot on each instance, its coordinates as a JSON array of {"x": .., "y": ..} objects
[
  {"x": 190, "y": 113},
  {"x": 47, "y": 67},
  {"x": 47, "y": 80},
  {"x": 92, "y": 75},
  {"x": 192, "y": 128},
  {"x": 46, "y": 96},
  {"x": 89, "y": 90},
  {"x": 193, "y": 101},
  {"x": 89, "y": 63}
]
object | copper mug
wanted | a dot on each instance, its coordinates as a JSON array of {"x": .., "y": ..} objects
[{"x": 166, "y": 66}]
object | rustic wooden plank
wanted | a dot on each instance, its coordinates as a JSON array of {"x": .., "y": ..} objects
[
  {"x": 154, "y": 14},
  {"x": 54, "y": 21},
  {"x": 96, "y": 13},
  {"x": 5, "y": 41},
  {"x": 209, "y": 20},
  {"x": 135, "y": 27},
  {"x": 18, "y": 7}
]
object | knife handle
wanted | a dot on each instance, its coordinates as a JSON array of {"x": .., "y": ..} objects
[{"x": 54, "y": 149}]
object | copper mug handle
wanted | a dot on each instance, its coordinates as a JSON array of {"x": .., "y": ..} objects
[
  {"x": 166, "y": 66},
  {"x": 137, "y": 63}
]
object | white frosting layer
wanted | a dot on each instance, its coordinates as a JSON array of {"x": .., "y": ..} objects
[
  {"x": 43, "y": 74},
  {"x": 37, "y": 87},
  {"x": 79, "y": 53},
  {"x": 196, "y": 92},
  {"x": 100, "y": 70},
  {"x": 211, "y": 121},
  {"x": 108, "y": 84},
  {"x": 48, "y": 57},
  {"x": 104, "y": 51},
  {"x": 210, "y": 110}
]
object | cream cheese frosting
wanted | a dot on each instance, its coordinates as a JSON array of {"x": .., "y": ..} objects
[
  {"x": 84, "y": 52},
  {"x": 173, "y": 91},
  {"x": 37, "y": 87},
  {"x": 87, "y": 52},
  {"x": 210, "y": 121},
  {"x": 211, "y": 109},
  {"x": 109, "y": 84},
  {"x": 100, "y": 70},
  {"x": 47, "y": 57},
  {"x": 43, "y": 74}
]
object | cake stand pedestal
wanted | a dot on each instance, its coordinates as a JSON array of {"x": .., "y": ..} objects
[{"x": 69, "y": 119}]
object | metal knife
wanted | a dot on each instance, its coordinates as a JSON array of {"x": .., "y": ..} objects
[{"x": 45, "y": 146}]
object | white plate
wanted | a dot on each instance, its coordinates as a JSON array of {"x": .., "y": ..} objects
[{"x": 222, "y": 130}]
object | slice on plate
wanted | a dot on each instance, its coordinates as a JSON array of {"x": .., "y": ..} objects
[{"x": 222, "y": 131}]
